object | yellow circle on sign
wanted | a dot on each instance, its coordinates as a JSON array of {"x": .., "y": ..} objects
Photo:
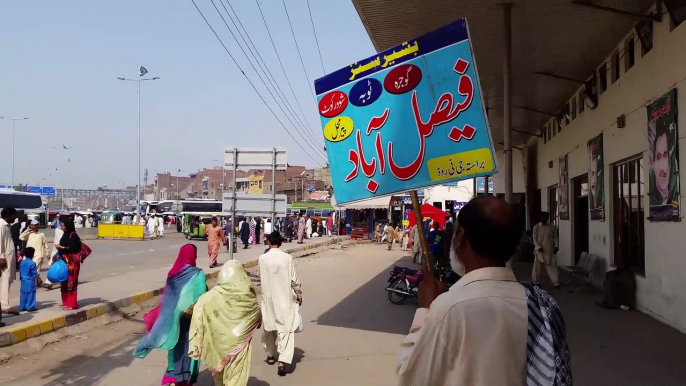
[{"x": 338, "y": 129}]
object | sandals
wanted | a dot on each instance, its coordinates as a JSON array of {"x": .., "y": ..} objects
[{"x": 271, "y": 361}]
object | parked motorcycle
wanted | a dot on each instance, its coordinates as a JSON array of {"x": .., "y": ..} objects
[{"x": 404, "y": 282}]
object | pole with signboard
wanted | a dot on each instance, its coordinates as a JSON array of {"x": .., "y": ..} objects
[
  {"x": 406, "y": 118},
  {"x": 254, "y": 204}
]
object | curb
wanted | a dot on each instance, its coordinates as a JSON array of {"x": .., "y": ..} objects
[{"x": 20, "y": 334}]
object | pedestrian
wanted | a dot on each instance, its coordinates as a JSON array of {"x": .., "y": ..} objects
[
  {"x": 546, "y": 244},
  {"x": 405, "y": 239},
  {"x": 258, "y": 228},
  {"x": 168, "y": 324},
  {"x": 416, "y": 245},
  {"x": 281, "y": 301},
  {"x": 390, "y": 236},
  {"x": 152, "y": 227},
  {"x": 224, "y": 321},
  {"x": 267, "y": 230},
  {"x": 53, "y": 255},
  {"x": 329, "y": 225},
  {"x": 160, "y": 225},
  {"x": 245, "y": 234},
  {"x": 56, "y": 223},
  {"x": 302, "y": 226},
  {"x": 252, "y": 231},
  {"x": 8, "y": 260},
  {"x": 308, "y": 227},
  {"x": 28, "y": 275},
  {"x": 215, "y": 239},
  {"x": 228, "y": 231},
  {"x": 89, "y": 221},
  {"x": 35, "y": 239},
  {"x": 486, "y": 314},
  {"x": 78, "y": 221},
  {"x": 69, "y": 247},
  {"x": 435, "y": 242},
  {"x": 15, "y": 230}
]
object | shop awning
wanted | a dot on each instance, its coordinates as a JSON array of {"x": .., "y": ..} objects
[{"x": 372, "y": 203}]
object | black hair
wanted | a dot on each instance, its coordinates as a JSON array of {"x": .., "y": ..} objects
[
  {"x": 6, "y": 212},
  {"x": 437, "y": 225},
  {"x": 489, "y": 236},
  {"x": 69, "y": 225},
  {"x": 544, "y": 214},
  {"x": 660, "y": 130},
  {"x": 275, "y": 238},
  {"x": 215, "y": 219},
  {"x": 29, "y": 252}
]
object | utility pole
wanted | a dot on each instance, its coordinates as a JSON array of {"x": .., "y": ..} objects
[{"x": 14, "y": 121}]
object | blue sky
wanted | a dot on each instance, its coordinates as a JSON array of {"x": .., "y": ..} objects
[{"x": 60, "y": 61}]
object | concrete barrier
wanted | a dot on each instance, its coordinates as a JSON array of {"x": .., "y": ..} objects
[{"x": 120, "y": 231}]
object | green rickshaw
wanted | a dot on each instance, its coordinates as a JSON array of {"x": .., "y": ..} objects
[
  {"x": 111, "y": 217},
  {"x": 194, "y": 225}
]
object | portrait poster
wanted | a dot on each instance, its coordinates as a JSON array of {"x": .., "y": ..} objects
[
  {"x": 596, "y": 176},
  {"x": 406, "y": 118},
  {"x": 563, "y": 190},
  {"x": 663, "y": 183}
]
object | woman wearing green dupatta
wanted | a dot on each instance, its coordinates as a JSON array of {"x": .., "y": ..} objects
[{"x": 224, "y": 320}]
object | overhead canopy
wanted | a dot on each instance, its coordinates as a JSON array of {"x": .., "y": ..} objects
[
  {"x": 429, "y": 211},
  {"x": 555, "y": 36},
  {"x": 372, "y": 203}
]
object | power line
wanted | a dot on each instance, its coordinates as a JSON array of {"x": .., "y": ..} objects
[
  {"x": 315, "y": 36},
  {"x": 298, "y": 49},
  {"x": 280, "y": 62},
  {"x": 270, "y": 76},
  {"x": 251, "y": 83},
  {"x": 262, "y": 80}
]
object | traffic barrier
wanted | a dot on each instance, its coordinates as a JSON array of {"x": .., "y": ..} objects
[{"x": 120, "y": 231}]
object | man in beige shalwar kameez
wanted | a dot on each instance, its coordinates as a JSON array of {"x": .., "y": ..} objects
[
  {"x": 546, "y": 246},
  {"x": 281, "y": 300}
]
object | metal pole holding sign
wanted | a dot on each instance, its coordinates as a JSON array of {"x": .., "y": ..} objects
[
  {"x": 233, "y": 207},
  {"x": 273, "y": 186},
  {"x": 420, "y": 228}
]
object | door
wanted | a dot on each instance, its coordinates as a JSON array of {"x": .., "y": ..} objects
[{"x": 580, "y": 219}]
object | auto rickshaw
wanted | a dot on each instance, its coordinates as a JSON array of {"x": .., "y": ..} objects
[
  {"x": 194, "y": 225},
  {"x": 112, "y": 217}
]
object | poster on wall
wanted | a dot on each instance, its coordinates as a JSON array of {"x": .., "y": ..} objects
[
  {"x": 407, "y": 118},
  {"x": 563, "y": 190},
  {"x": 596, "y": 175},
  {"x": 663, "y": 188}
]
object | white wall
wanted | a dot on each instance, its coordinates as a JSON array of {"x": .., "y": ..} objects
[
  {"x": 662, "y": 292},
  {"x": 517, "y": 173},
  {"x": 463, "y": 192}
]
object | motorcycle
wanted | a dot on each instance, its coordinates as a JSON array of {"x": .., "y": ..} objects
[{"x": 404, "y": 282}]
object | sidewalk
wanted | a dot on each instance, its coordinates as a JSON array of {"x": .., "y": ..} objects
[{"x": 99, "y": 297}]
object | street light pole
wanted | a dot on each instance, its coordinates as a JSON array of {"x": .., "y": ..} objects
[
  {"x": 138, "y": 186},
  {"x": 14, "y": 122}
]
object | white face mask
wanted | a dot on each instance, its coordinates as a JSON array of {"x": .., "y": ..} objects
[{"x": 455, "y": 263}]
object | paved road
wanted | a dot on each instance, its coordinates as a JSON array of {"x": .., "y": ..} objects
[{"x": 351, "y": 335}]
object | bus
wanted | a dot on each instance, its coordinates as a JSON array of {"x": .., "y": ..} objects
[
  {"x": 201, "y": 206},
  {"x": 168, "y": 207},
  {"x": 27, "y": 204},
  {"x": 313, "y": 209}
]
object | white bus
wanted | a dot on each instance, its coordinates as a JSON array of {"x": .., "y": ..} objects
[{"x": 29, "y": 204}]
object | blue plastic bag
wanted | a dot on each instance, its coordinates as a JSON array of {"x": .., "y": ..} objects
[{"x": 58, "y": 272}]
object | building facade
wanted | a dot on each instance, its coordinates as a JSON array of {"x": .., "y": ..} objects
[{"x": 608, "y": 168}]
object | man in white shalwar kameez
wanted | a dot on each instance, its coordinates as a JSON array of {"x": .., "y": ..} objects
[
  {"x": 160, "y": 225},
  {"x": 308, "y": 227},
  {"x": 280, "y": 305},
  {"x": 545, "y": 243},
  {"x": 152, "y": 227}
]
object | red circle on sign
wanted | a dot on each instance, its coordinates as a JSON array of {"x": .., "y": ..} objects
[
  {"x": 402, "y": 79},
  {"x": 333, "y": 104}
]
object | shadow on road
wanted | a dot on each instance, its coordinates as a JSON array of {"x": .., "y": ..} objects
[
  {"x": 368, "y": 307},
  {"x": 87, "y": 370}
]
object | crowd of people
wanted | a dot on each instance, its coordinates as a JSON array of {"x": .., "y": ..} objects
[
  {"x": 215, "y": 326},
  {"x": 26, "y": 251}
]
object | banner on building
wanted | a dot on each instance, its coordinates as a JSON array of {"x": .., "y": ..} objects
[
  {"x": 563, "y": 190},
  {"x": 663, "y": 188},
  {"x": 410, "y": 117},
  {"x": 596, "y": 176}
]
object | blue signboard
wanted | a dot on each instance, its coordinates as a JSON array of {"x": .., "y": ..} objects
[
  {"x": 48, "y": 191},
  {"x": 457, "y": 206},
  {"x": 481, "y": 185},
  {"x": 407, "y": 118},
  {"x": 3, "y": 186},
  {"x": 34, "y": 189}
]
